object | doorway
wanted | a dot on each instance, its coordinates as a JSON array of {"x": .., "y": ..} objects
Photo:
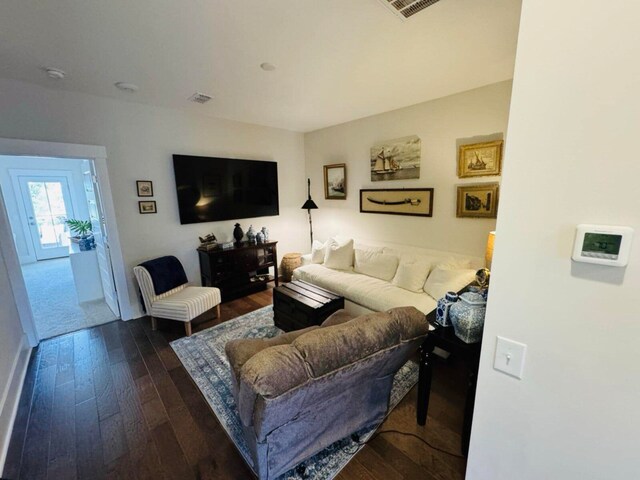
[{"x": 68, "y": 274}]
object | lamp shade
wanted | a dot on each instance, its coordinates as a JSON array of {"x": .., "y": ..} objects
[
  {"x": 488, "y": 256},
  {"x": 309, "y": 205}
]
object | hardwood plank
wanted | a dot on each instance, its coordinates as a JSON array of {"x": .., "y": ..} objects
[
  {"x": 16, "y": 444},
  {"x": 62, "y": 449},
  {"x": 114, "y": 442},
  {"x": 111, "y": 335},
  {"x": 171, "y": 456},
  {"x": 83, "y": 367},
  {"x": 89, "y": 453},
  {"x": 36, "y": 451},
  {"x": 102, "y": 382},
  {"x": 65, "y": 360}
]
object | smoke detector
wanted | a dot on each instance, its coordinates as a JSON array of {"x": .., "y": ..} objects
[
  {"x": 127, "y": 87},
  {"x": 403, "y": 9},
  {"x": 54, "y": 73},
  {"x": 267, "y": 67},
  {"x": 200, "y": 97}
]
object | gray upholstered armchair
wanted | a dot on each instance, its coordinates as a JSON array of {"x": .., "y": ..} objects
[{"x": 301, "y": 391}]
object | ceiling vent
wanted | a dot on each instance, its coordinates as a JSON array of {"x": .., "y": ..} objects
[
  {"x": 404, "y": 9},
  {"x": 200, "y": 97}
]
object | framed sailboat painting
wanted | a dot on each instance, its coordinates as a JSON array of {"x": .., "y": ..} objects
[
  {"x": 396, "y": 159},
  {"x": 335, "y": 181}
]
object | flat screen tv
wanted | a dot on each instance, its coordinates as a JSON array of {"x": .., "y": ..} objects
[{"x": 212, "y": 189}]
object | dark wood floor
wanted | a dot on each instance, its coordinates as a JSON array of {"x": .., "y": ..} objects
[{"x": 115, "y": 402}]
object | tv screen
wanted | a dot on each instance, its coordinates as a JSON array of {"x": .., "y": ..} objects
[{"x": 212, "y": 189}]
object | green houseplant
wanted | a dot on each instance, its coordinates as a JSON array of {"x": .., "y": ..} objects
[{"x": 82, "y": 233}]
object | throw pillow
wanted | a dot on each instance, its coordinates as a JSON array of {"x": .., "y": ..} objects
[
  {"x": 443, "y": 280},
  {"x": 411, "y": 274},
  {"x": 318, "y": 251},
  {"x": 339, "y": 256},
  {"x": 375, "y": 264}
]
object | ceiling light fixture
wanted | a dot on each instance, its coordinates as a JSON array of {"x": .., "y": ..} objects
[
  {"x": 127, "y": 87},
  {"x": 54, "y": 73},
  {"x": 267, "y": 67}
]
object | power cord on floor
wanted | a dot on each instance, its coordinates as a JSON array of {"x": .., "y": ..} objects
[{"x": 356, "y": 438}]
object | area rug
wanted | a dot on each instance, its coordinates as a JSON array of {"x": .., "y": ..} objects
[{"x": 203, "y": 356}]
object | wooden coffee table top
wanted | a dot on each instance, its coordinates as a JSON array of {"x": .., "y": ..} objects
[{"x": 308, "y": 294}]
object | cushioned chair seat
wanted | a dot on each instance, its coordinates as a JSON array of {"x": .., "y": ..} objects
[{"x": 186, "y": 304}]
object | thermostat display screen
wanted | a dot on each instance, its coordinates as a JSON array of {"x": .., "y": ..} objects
[{"x": 602, "y": 243}]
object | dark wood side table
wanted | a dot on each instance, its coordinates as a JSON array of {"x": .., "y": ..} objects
[
  {"x": 445, "y": 338},
  {"x": 299, "y": 304}
]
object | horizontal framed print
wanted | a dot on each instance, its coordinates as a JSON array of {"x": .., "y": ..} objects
[
  {"x": 480, "y": 159},
  {"x": 478, "y": 200},
  {"x": 145, "y": 188},
  {"x": 398, "y": 201},
  {"x": 148, "y": 206},
  {"x": 335, "y": 181}
]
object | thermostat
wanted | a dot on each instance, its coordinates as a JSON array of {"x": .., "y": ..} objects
[{"x": 602, "y": 245}]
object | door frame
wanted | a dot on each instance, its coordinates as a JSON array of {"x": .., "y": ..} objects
[
  {"x": 23, "y": 210},
  {"x": 33, "y": 148}
]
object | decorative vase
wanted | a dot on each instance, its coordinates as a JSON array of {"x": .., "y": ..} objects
[
  {"x": 251, "y": 234},
  {"x": 238, "y": 233},
  {"x": 86, "y": 243},
  {"x": 265, "y": 232},
  {"x": 467, "y": 317},
  {"x": 260, "y": 237},
  {"x": 442, "y": 310}
]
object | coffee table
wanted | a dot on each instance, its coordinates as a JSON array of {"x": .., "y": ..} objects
[{"x": 300, "y": 304}]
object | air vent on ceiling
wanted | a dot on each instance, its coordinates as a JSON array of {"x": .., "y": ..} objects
[
  {"x": 200, "y": 97},
  {"x": 404, "y": 9}
]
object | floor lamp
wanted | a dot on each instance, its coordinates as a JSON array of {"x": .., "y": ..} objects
[{"x": 308, "y": 206}]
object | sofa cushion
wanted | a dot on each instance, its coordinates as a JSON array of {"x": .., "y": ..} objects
[
  {"x": 318, "y": 251},
  {"x": 412, "y": 273},
  {"x": 443, "y": 279},
  {"x": 375, "y": 264},
  {"x": 339, "y": 255},
  {"x": 337, "y": 346}
]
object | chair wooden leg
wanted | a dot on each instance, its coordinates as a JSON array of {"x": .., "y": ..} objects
[
  {"x": 218, "y": 311},
  {"x": 154, "y": 324},
  {"x": 187, "y": 328}
]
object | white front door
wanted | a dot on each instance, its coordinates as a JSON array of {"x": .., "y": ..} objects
[
  {"x": 98, "y": 225},
  {"x": 47, "y": 201}
]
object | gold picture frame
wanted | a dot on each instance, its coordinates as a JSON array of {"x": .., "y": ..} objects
[
  {"x": 478, "y": 200},
  {"x": 480, "y": 159},
  {"x": 397, "y": 201},
  {"x": 335, "y": 181}
]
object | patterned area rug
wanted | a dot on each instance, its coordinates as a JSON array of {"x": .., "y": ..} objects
[{"x": 203, "y": 356}]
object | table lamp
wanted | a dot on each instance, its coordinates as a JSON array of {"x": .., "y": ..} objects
[{"x": 488, "y": 256}]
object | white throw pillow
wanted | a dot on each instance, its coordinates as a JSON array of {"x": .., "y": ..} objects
[
  {"x": 318, "y": 251},
  {"x": 442, "y": 280},
  {"x": 411, "y": 274},
  {"x": 375, "y": 264},
  {"x": 339, "y": 256}
]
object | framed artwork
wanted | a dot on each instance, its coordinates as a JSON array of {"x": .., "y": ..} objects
[
  {"x": 480, "y": 159},
  {"x": 397, "y": 201},
  {"x": 145, "y": 188},
  {"x": 148, "y": 206},
  {"x": 335, "y": 181},
  {"x": 396, "y": 159},
  {"x": 478, "y": 200}
]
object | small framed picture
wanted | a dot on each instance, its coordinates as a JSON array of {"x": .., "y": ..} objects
[
  {"x": 480, "y": 159},
  {"x": 145, "y": 188},
  {"x": 148, "y": 206},
  {"x": 478, "y": 200},
  {"x": 335, "y": 181}
]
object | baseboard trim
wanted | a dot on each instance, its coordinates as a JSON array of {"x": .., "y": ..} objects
[{"x": 11, "y": 398}]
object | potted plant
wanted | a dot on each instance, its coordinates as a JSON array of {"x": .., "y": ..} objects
[{"x": 82, "y": 230}]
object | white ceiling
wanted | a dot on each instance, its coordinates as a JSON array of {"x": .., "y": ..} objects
[{"x": 337, "y": 60}]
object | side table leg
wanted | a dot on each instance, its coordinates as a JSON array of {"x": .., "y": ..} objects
[
  {"x": 424, "y": 381},
  {"x": 468, "y": 408}
]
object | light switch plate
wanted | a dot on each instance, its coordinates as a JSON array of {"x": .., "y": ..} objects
[{"x": 509, "y": 357}]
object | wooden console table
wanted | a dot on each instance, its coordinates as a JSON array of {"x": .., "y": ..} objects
[
  {"x": 445, "y": 338},
  {"x": 240, "y": 270}
]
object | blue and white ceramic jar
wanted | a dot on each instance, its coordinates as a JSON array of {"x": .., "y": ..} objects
[
  {"x": 467, "y": 317},
  {"x": 442, "y": 310},
  {"x": 251, "y": 235}
]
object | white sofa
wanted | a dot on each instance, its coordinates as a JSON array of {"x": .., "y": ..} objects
[{"x": 368, "y": 280}]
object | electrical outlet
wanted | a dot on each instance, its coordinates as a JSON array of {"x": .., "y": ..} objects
[{"x": 509, "y": 357}]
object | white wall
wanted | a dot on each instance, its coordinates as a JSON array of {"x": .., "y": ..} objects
[
  {"x": 140, "y": 141},
  {"x": 15, "y": 205},
  {"x": 572, "y": 145},
  {"x": 442, "y": 125}
]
